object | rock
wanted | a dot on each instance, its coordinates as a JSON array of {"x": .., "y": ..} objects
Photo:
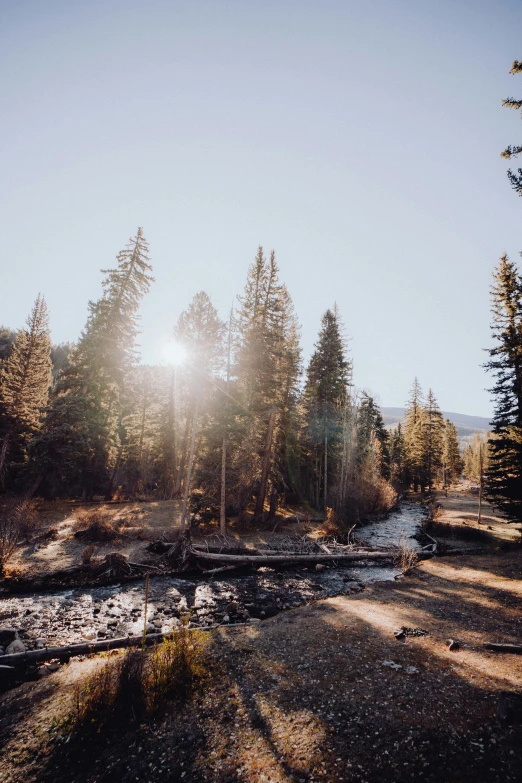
[
  {"x": 151, "y": 628},
  {"x": 16, "y": 646},
  {"x": 226, "y": 618},
  {"x": 452, "y": 644},
  {"x": 232, "y": 607},
  {"x": 320, "y": 567},
  {"x": 7, "y": 635}
]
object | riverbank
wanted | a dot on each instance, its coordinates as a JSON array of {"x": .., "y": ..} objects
[{"x": 323, "y": 692}]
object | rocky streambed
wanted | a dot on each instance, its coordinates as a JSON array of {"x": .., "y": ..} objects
[{"x": 90, "y": 614}]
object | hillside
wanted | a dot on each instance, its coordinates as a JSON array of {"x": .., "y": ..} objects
[{"x": 466, "y": 425}]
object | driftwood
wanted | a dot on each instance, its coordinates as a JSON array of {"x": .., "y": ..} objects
[
  {"x": 281, "y": 557},
  {"x": 88, "y": 648},
  {"x": 515, "y": 649}
]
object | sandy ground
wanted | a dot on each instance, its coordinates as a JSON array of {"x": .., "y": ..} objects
[{"x": 312, "y": 695}]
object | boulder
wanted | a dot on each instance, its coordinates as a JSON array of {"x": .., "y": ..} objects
[
  {"x": 15, "y": 647},
  {"x": 320, "y": 567}
]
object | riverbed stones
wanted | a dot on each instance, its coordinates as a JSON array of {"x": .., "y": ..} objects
[{"x": 16, "y": 646}]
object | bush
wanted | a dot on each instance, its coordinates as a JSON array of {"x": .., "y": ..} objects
[
  {"x": 139, "y": 683},
  {"x": 97, "y": 525},
  {"x": 18, "y": 519}
]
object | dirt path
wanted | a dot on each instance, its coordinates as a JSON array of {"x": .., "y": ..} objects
[{"x": 322, "y": 693}]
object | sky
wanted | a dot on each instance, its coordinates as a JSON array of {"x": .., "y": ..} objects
[{"x": 359, "y": 140}]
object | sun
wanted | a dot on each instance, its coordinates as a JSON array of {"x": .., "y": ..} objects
[{"x": 174, "y": 353}]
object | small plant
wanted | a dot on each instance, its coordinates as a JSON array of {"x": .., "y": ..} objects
[
  {"x": 88, "y": 553},
  {"x": 17, "y": 521},
  {"x": 330, "y": 526},
  {"x": 406, "y": 556}
]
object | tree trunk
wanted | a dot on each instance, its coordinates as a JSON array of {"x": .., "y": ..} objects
[
  {"x": 108, "y": 494},
  {"x": 183, "y": 458},
  {"x": 3, "y": 455},
  {"x": 481, "y": 482},
  {"x": 190, "y": 464},
  {"x": 325, "y": 467},
  {"x": 260, "y": 503},
  {"x": 273, "y": 504}
]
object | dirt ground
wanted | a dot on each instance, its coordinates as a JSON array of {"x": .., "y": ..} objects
[
  {"x": 324, "y": 692},
  {"x": 459, "y": 508},
  {"x": 54, "y": 546}
]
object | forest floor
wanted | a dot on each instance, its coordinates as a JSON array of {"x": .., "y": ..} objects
[
  {"x": 319, "y": 693},
  {"x": 54, "y": 545}
]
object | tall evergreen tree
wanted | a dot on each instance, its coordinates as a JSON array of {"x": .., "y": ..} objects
[
  {"x": 80, "y": 439},
  {"x": 432, "y": 441},
  {"x": 325, "y": 395},
  {"x": 25, "y": 379},
  {"x": 504, "y": 475},
  {"x": 451, "y": 459},
  {"x": 413, "y": 437},
  {"x": 513, "y": 151}
]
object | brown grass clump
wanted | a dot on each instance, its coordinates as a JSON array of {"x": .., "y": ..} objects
[
  {"x": 406, "y": 558},
  {"x": 330, "y": 527},
  {"x": 18, "y": 521},
  {"x": 88, "y": 553},
  {"x": 139, "y": 684},
  {"x": 98, "y": 525}
]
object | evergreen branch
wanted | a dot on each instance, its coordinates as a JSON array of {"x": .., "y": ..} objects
[
  {"x": 516, "y": 67},
  {"x": 511, "y": 152},
  {"x": 512, "y": 103}
]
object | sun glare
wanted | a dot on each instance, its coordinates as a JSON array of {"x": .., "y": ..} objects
[{"x": 174, "y": 353}]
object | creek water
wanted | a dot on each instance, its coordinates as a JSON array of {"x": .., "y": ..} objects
[{"x": 74, "y": 616}]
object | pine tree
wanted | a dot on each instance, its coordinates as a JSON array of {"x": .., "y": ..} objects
[
  {"x": 200, "y": 331},
  {"x": 398, "y": 472},
  {"x": 511, "y": 152},
  {"x": 373, "y": 434},
  {"x": 432, "y": 439},
  {"x": 325, "y": 396},
  {"x": 452, "y": 464},
  {"x": 504, "y": 475},
  {"x": 413, "y": 437},
  {"x": 81, "y": 437},
  {"x": 25, "y": 380},
  {"x": 267, "y": 369}
]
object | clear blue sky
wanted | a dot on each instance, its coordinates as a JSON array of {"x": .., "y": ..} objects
[{"x": 361, "y": 140}]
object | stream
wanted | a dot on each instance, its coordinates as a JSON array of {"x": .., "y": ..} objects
[{"x": 103, "y": 612}]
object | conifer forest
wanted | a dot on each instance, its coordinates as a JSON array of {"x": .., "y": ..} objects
[
  {"x": 236, "y": 421},
  {"x": 223, "y": 557}
]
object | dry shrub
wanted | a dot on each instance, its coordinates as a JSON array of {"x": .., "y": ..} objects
[
  {"x": 330, "y": 527},
  {"x": 139, "y": 684},
  {"x": 406, "y": 558},
  {"x": 18, "y": 520},
  {"x": 88, "y": 553},
  {"x": 97, "y": 525},
  {"x": 364, "y": 497}
]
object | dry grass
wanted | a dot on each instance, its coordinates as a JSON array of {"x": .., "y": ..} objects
[
  {"x": 18, "y": 521},
  {"x": 98, "y": 525},
  {"x": 138, "y": 683},
  {"x": 406, "y": 558}
]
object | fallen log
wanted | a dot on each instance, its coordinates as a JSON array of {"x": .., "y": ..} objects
[
  {"x": 515, "y": 649},
  {"x": 294, "y": 558},
  {"x": 88, "y": 648}
]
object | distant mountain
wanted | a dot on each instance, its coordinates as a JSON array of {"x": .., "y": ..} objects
[{"x": 466, "y": 425}]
